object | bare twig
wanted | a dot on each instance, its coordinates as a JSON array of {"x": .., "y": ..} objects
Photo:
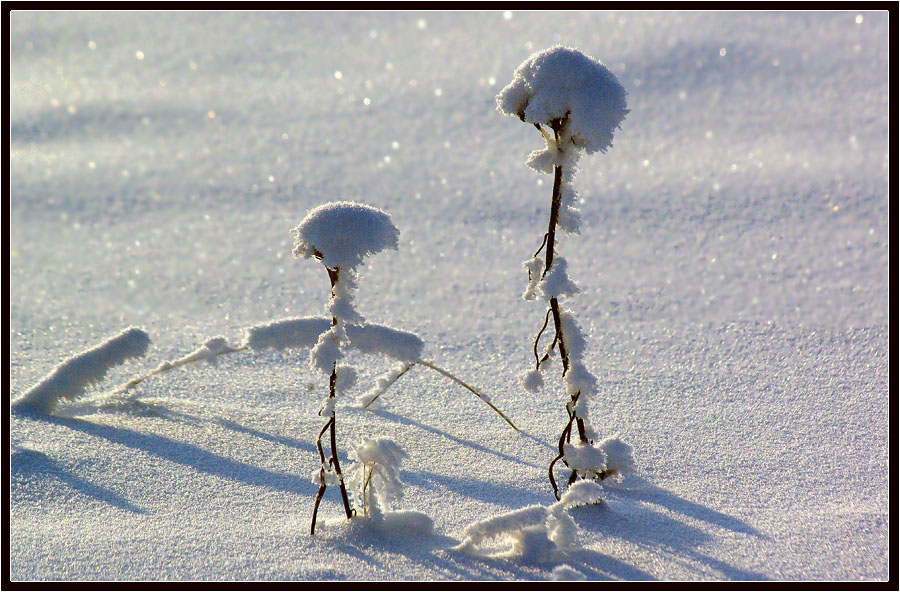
[
  {"x": 470, "y": 388},
  {"x": 537, "y": 339}
]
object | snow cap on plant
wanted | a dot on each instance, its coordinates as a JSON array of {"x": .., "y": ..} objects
[
  {"x": 343, "y": 233},
  {"x": 561, "y": 81}
]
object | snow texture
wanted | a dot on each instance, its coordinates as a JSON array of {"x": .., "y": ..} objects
[
  {"x": 561, "y": 81},
  {"x": 327, "y": 350},
  {"x": 585, "y": 459},
  {"x": 307, "y": 331},
  {"x": 567, "y": 573},
  {"x": 556, "y": 283},
  {"x": 733, "y": 261},
  {"x": 207, "y": 352},
  {"x": 532, "y": 380},
  {"x": 343, "y": 293},
  {"x": 534, "y": 267},
  {"x": 371, "y": 398},
  {"x": 619, "y": 455},
  {"x": 70, "y": 379},
  {"x": 343, "y": 233},
  {"x": 538, "y": 533}
]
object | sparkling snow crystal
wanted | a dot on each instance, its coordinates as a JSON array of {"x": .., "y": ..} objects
[
  {"x": 343, "y": 233},
  {"x": 559, "y": 81}
]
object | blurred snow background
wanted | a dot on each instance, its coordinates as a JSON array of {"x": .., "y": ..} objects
[{"x": 734, "y": 262}]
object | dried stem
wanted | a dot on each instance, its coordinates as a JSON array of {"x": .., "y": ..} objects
[
  {"x": 470, "y": 388},
  {"x": 556, "y": 202},
  {"x": 537, "y": 339},
  {"x": 334, "y": 276}
]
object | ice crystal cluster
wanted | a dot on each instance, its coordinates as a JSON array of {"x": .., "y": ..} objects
[{"x": 559, "y": 82}]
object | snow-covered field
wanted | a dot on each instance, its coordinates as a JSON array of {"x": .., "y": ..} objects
[{"x": 733, "y": 261}]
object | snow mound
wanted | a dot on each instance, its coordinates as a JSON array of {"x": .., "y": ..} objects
[
  {"x": 566, "y": 573},
  {"x": 538, "y": 533},
  {"x": 343, "y": 233},
  {"x": 559, "y": 81},
  {"x": 70, "y": 379}
]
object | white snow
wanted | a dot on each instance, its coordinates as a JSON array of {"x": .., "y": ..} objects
[
  {"x": 561, "y": 81},
  {"x": 537, "y": 533},
  {"x": 584, "y": 458},
  {"x": 556, "y": 283},
  {"x": 208, "y": 352},
  {"x": 286, "y": 333},
  {"x": 375, "y": 477},
  {"x": 306, "y": 332},
  {"x": 392, "y": 343},
  {"x": 327, "y": 350},
  {"x": 532, "y": 380},
  {"x": 567, "y": 573},
  {"x": 70, "y": 379},
  {"x": 371, "y": 397},
  {"x": 619, "y": 455},
  {"x": 734, "y": 264},
  {"x": 343, "y": 233}
]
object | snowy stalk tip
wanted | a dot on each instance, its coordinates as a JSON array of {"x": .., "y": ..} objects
[
  {"x": 576, "y": 104},
  {"x": 70, "y": 379}
]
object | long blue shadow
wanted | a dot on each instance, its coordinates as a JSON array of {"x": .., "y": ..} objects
[
  {"x": 283, "y": 440},
  {"x": 648, "y": 528},
  {"x": 475, "y": 488},
  {"x": 411, "y": 422},
  {"x": 192, "y": 456},
  {"x": 656, "y": 495},
  {"x": 24, "y": 462}
]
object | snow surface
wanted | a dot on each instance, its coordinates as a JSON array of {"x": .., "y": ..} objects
[{"x": 733, "y": 265}]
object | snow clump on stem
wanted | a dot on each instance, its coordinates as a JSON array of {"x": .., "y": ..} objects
[
  {"x": 561, "y": 81},
  {"x": 343, "y": 233}
]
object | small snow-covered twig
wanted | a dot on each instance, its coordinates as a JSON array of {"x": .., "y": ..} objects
[
  {"x": 383, "y": 384},
  {"x": 69, "y": 379},
  {"x": 208, "y": 352}
]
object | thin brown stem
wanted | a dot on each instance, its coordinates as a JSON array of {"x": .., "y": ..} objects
[
  {"x": 471, "y": 389},
  {"x": 555, "y": 204},
  {"x": 333, "y": 461},
  {"x": 537, "y": 339}
]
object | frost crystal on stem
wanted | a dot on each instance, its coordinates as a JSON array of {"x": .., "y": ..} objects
[{"x": 576, "y": 104}]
